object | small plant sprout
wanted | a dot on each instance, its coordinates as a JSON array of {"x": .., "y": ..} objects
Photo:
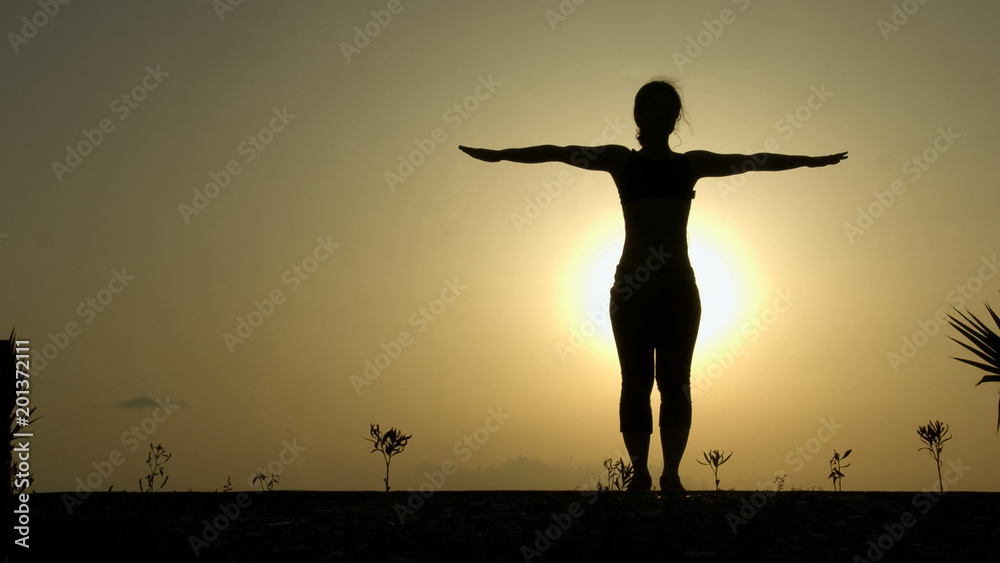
[
  {"x": 714, "y": 459},
  {"x": 157, "y": 458},
  {"x": 987, "y": 342},
  {"x": 267, "y": 482},
  {"x": 934, "y": 434},
  {"x": 619, "y": 475},
  {"x": 390, "y": 444},
  {"x": 779, "y": 481},
  {"x": 228, "y": 488},
  {"x": 836, "y": 469}
]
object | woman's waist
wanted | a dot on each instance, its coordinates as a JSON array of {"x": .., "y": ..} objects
[
  {"x": 642, "y": 274},
  {"x": 657, "y": 264},
  {"x": 655, "y": 258}
]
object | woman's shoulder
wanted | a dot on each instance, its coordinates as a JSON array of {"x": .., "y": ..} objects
[
  {"x": 698, "y": 155},
  {"x": 616, "y": 150},
  {"x": 681, "y": 163},
  {"x": 670, "y": 156},
  {"x": 614, "y": 157}
]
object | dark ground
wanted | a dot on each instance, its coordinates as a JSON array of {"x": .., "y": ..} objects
[{"x": 512, "y": 526}]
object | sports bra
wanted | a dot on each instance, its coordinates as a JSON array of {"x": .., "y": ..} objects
[{"x": 650, "y": 177}]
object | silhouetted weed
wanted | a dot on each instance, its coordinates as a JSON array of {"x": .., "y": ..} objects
[
  {"x": 267, "y": 482},
  {"x": 714, "y": 459},
  {"x": 836, "y": 469},
  {"x": 390, "y": 444},
  {"x": 934, "y": 435},
  {"x": 156, "y": 459},
  {"x": 620, "y": 475}
]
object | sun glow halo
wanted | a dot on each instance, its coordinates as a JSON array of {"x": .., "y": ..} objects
[
  {"x": 718, "y": 289},
  {"x": 590, "y": 276}
]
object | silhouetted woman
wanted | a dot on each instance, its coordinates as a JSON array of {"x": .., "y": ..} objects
[{"x": 655, "y": 306}]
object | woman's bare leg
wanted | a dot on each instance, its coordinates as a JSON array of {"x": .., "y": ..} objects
[
  {"x": 637, "y": 445},
  {"x": 673, "y": 439}
]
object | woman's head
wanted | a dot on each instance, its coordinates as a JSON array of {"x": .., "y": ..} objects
[{"x": 657, "y": 111}]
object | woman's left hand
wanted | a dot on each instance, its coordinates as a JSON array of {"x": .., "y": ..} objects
[{"x": 487, "y": 155}]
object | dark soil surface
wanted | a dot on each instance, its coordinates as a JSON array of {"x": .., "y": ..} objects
[{"x": 517, "y": 526}]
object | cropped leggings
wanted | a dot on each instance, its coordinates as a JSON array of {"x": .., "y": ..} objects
[{"x": 655, "y": 318}]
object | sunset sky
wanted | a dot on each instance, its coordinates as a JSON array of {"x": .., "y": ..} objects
[{"x": 246, "y": 233}]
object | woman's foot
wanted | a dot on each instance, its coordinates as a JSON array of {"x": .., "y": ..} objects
[
  {"x": 672, "y": 483},
  {"x": 640, "y": 483}
]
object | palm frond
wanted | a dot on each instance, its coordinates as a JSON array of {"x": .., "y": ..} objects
[
  {"x": 984, "y": 352},
  {"x": 985, "y": 367},
  {"x": 987, "y": 341},
  {"x": 998, "y": 416},
  {"x": 985, "y": 344},
  {"x": 975, "y": 325},
  {"x": 996, "y": 318}
]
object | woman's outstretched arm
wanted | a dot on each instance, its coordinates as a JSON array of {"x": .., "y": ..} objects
[
  {"x": 592, "y": 158},
  {"x": 705, "y": 163}
]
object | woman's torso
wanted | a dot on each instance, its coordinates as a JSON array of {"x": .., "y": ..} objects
[{"x": 656, "y": 193}]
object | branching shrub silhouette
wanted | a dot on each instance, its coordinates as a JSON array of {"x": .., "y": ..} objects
[
  {"x": 934, "y": 434},
  {"x": 156, "y": 459},
  {"x": 390, "y": 444},
  {"x": 267, "y": 482},
  {"x": 619, "y": 475},
  {"x": 779, "y": 481},
  {"x": 836, "y": 469},
  {"x": 714, "y": 459}
]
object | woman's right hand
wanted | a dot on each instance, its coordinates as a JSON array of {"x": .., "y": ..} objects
[
  {"x": 827, "y": 160},
  {"x": 487, "y": 155}
]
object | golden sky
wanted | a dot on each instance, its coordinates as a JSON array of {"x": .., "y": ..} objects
[{"x": 246, "y": 233}]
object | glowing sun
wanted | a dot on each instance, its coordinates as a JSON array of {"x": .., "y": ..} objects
[{"x": 717, "y": 265}]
